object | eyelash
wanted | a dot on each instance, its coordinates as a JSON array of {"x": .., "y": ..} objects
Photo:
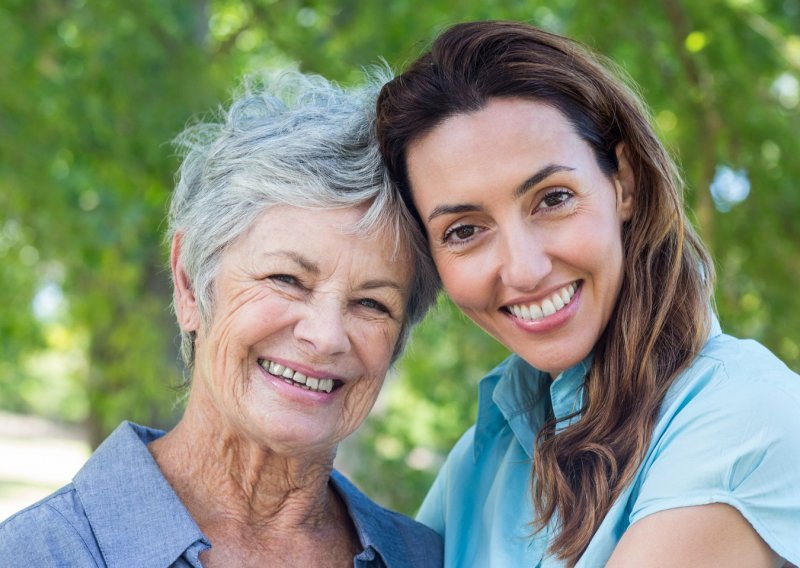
[
  {"x": 565, "y": 195},
  {"x": 560, "y": 192},
  {"x": 452, "y": 230},
  {"x": 286, "y": 279},
  {"x": 369, "y": 303}
]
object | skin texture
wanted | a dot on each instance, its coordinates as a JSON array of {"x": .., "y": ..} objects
[
  {"x": 516, "y": 207},
  {"x": 252, "y": 455},
  {"x": 517, "y": 242}
]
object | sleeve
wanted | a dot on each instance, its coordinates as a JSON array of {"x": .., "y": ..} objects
[
  {"x": 733, "y": 443},
  {"x": 41, "y": 536},
  {"x": 432, "y": 511}
]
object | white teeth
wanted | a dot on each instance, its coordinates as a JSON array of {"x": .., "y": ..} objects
[
  {"x": 547, "y": 307},
  {"x": 297, "y": 378}
]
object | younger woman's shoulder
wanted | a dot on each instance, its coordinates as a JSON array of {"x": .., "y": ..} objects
[
  {"x": 729, "y": 432},
  {"x": 734, "y": 388},
  {"x": 742, "y": 371},
  {"x": 746, "y": 360}
]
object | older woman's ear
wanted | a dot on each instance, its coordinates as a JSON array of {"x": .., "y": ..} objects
[
  {"x": 624, "y": 183},
  {"x": 186, "y": 309}
]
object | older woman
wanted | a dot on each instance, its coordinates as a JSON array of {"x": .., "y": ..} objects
[
  {"x": 554, "y": 216},
  {"x": 296, "y": 280}
]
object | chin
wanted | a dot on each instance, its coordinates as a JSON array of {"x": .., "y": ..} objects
[{"x": 554, "y": 365}]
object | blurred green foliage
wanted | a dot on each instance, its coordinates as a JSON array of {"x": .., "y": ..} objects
[{"x": 92, "y": 92}]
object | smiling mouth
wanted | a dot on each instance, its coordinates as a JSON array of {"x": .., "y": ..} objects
[
  {"x": 555, "y": 302},
  {"x": 298, "y": 379}
]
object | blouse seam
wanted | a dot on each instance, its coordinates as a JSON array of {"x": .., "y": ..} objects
[{"x": 74, "y": 530}]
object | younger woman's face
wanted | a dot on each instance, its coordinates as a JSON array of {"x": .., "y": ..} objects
[{"x": 524, "y": 227}]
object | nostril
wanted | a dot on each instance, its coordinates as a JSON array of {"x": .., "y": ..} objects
[{"x": 325, "y": 335}]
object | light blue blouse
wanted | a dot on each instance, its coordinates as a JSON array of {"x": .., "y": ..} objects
[{"x": 728, "y": 432}]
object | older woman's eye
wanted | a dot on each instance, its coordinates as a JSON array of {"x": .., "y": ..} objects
[
  {"x": 374, "y": 305},
  {"x": 555, "y": 198},
  {"x": 285, "y": 278}
]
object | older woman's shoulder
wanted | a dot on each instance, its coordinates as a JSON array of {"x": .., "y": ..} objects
[
  {"x": 400, "y": 540},
  {"x": 52, "y": 532}
]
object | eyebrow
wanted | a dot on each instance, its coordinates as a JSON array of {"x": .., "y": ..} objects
[
  {"x": 539, "y": 177},
  {"x": 313, "y": 267},
  {"x": 374, "y": 284},
  {"x": 518, "y": 192},
  {"x": 303, "y": 262}
]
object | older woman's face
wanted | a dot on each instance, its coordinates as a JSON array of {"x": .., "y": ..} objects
[
  {"x": 524, "y": 227},
  {"x": 305, "y": 321}
]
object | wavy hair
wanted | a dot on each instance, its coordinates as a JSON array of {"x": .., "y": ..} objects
[
  {"x": 662, "y": 315},
  {"x": 288, "y": 139}
]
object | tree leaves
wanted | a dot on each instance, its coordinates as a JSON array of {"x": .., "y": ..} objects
[{"x": 91, "y": 93}]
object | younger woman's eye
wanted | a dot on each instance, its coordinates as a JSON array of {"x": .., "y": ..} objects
[
  {"x": 555, "y": 198},
  {"x": 460, "y": 233}
]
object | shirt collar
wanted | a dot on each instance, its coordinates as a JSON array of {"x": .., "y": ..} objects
[
  {"x": 136, "y": 516},
  {"x": 376, "y": 528},
  {"x": 519, "y": 395},
  {"x": 715, "y": 329},
  {"x": 513, "y": 393}
]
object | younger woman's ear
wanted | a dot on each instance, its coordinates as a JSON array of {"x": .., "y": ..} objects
[
  {"x": 624, "y": 183},
  {"x": 186, "y": 308}
]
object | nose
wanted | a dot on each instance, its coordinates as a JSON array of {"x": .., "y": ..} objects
[
  {"x": 322, "y": 329},
  {"x": 524, "y": 259}
]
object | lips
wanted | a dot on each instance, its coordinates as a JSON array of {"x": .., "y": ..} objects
[
  {"x": 298, "y": 379},
  {"x": 539, "y": 310}
]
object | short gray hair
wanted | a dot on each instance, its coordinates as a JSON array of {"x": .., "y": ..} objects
[{"x": 288, "y": 139}]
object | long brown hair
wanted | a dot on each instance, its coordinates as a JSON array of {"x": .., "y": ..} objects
[{"x": 662, "y": 316}]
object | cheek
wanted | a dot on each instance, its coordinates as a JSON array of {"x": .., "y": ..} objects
[
  {"x": 357, "y": 404},
  {"x": 461, "y": 280},
  {"x": 379, "y": 345},
  {"x": 372, "y": 343},
  {"x": 361, "y": 397},
  {"x": 605, "y": 261}
]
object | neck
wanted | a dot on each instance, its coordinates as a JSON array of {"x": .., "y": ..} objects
[{"x": 224, "y": 476}]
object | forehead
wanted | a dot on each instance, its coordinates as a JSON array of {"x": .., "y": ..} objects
[
  {"x": 498, "y": 121},
  {"x": 329, "y": 238},
  {"x": 502, "y": 143}
]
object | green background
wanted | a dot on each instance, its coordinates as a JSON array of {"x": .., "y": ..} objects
[{"x": 93, "y": 91}]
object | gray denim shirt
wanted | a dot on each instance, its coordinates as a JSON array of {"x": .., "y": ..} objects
[{"x": 120, "y": 511}]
